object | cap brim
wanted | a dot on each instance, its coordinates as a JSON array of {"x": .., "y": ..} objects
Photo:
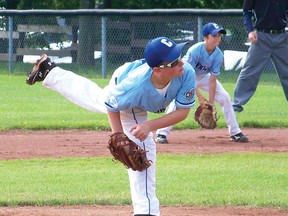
[
  {"x": 176, "y": 52},
  {"x": 216, "y": 31}
]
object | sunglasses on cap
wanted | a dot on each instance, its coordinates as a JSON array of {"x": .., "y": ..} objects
[{"x": 171, "y": 64}]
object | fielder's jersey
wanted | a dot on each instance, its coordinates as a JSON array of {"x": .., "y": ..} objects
[
  {"x": 133, "y": 89},
  {"x": 204, "y": 62}
]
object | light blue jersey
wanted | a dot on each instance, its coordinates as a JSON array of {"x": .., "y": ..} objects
[
  {"x": 204, "y": 62},
  {"x": 134, "y": 89}
]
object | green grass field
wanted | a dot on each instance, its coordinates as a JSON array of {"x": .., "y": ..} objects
[
  {"x": 256, "y": 180},
  {"x": 35, "y": 107}
]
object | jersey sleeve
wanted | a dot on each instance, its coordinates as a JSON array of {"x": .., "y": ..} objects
[
  {"x": 186, "y": 96},
  {"x": 191, "y": 56},
  {"x": 247, "y": 14},
  {"x": 217, "y": 62},
  {"x": 122, "y": 89},
  {"x": 120, "y": 97}
]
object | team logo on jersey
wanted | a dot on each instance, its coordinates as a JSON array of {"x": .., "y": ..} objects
[
  {"x": 113, "y": 102},
  {"x": 190, "y": 94},
  {"x": 199, "y": 66}
]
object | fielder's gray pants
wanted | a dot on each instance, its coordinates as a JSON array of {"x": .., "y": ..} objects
[{"x": 268, "y": 46}]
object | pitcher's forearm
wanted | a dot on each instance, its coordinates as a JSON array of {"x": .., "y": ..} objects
[
  {"x": 115, "y": 122},
  {"x": 168, "y": 120}
]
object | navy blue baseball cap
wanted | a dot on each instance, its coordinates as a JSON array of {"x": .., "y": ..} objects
[
  {"x": 162, "y": 49},
  {"x": 213, "y": 29}
]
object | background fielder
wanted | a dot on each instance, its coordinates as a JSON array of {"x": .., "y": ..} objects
[{"x": 207, "y": 59}]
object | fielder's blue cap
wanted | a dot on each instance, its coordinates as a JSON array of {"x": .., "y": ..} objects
[
  {"x": 213, "y": 29},
  {"x": 162, "y": 49}
]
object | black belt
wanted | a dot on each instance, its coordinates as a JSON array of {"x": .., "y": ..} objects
[{"x": 272, "y": 31}]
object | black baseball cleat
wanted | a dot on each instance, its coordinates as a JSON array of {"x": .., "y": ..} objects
[
  {"x": 239, "y": 138},
  {"x": 238, "y": 108},
  {"x": 40, "y": 70},
  {"x": 162, "y": 139}
]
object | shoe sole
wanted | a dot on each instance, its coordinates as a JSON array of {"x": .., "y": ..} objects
[
  {"x": 35, "y": 70},
  {"x": 238, "y": 109},
  {"x": 161, "y": 142},
  {"x": 239, "y": 140}
]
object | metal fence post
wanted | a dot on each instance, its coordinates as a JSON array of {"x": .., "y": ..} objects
[
  {"x": 11, "y": 44},
  {"x": 199, "y": 26},
  {"x": 104, "y": 46}
]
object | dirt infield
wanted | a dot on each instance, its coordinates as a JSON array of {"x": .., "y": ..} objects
[{"x": 79, "y": 143}]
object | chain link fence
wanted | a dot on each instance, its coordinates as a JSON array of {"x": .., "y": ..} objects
[{"x": 98, "y": 41}]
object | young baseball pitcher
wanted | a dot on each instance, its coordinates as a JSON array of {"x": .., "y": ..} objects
[
  {"x": 145, "y": 85},
  {"x": 206, "y": 58}
]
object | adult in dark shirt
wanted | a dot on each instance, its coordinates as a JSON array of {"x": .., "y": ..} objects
[{"x": 268, "y": 41}]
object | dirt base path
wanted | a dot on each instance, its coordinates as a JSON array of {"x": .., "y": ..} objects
[{"x": 80, "y": 143}]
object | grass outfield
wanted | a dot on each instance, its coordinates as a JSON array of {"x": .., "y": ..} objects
[
  {"x": 35, "y": 107},
  {"x": 254, "y": 180}
]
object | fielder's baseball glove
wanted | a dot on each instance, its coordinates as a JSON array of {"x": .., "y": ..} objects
[
  {"x": 127, "y": 152},
  {"x": 206, "y": 117}
]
